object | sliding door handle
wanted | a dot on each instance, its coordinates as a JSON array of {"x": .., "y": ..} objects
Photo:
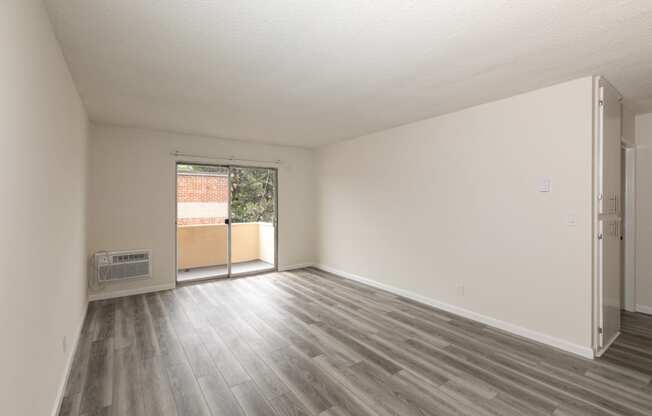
[{"x": 227, "y": 221}]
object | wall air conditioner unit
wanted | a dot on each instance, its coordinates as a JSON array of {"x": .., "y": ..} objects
[{"x": 122, "y": 265}]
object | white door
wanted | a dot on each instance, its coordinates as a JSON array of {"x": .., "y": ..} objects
[{"x": 609, "y": 214}]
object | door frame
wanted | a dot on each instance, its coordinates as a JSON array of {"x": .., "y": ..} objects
[
  {"x": 599, "y": 344},
  {"x": 629, "y": 226},
  {"x": 211, "y": 162},
  {"x": 275, "y": 267}
]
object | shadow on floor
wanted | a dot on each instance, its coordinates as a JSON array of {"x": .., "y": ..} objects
[{"x": 633, "y": 348}]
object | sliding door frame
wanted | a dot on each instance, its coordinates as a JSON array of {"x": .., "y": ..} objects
[
  {"x": 175, "y": 220},
  {"x": 274, "y": 268}
]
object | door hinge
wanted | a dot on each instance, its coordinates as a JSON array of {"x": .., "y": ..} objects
[
  {"x": 600, "y": 236},
  {"x": 599, "y": 330},
  {"x": 601, "y": 103}
]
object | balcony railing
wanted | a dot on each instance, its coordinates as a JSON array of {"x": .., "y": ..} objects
[{"x": 206, "y": 245}]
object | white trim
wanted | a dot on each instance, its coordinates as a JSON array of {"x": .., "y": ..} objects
[
  {"x": 228, "y": 159},
  {"x": 607, "y": 345},
  {"x": 295, "y": 266},
  {"x": 594, "y": 322},
  {"x": 600, "y": 180},
  {"x": 629, "y": 211},
  {"x": 586, "y": 352},
  {"x": 627, "y": 144},
  {"x": 69, "y": 361},
  {"x": 129, "y": 292},
  {"x": 644, "y": 309}
]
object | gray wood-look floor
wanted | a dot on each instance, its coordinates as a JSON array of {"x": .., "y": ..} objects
[{"x": 308, "y": 343}]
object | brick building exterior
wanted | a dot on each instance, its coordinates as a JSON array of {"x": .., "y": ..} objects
[{"x": 205, "y": 194}]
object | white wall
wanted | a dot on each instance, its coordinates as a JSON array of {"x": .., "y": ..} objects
[
  {"x": 629, "y": 125},
  {"x": 133, "y": 188},
  {"x": 43, "y": 129},
  {"x": 453, "y": 201},
  {"x": 644, "y": 212},
  {"x": 266, "y": 242}
]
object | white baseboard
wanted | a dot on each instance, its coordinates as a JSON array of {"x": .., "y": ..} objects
[
  {"x": 561, "y": 344},
  {"x": 129, "y": 292},
  {"x": 295, "y": 266},
  {"x": 644, "y": 309},
  {"x": 69, "y": 362}
]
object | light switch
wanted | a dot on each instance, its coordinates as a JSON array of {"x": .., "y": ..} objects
[
  {"x": 545, "y": 184},
  {"x": 571, "y": 219}
]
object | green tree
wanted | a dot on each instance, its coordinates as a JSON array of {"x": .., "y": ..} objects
[{"x": 252, "y": 195}]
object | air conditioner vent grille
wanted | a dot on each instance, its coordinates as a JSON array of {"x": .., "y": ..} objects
[
  {"x": 126, "y": 258},
  {"x": 112, "y": 266}
]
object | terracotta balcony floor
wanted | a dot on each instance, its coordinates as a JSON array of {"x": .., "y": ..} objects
[{"x": 200, "y": 273}]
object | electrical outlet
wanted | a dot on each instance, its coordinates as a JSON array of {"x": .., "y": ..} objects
[
  {"x": 64, "y": 344},
  {"x": 460, "y": 290}
]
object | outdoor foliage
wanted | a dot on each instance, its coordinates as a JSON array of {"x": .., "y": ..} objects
[{"x": 252, "y": 192}]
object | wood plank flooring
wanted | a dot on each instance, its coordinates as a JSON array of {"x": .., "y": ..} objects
[{"x": 309, "y": 343}]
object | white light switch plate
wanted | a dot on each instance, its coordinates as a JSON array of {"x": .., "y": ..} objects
[
  {"x": 545, "y": 184},
  {"x": 571, "y": 219}
]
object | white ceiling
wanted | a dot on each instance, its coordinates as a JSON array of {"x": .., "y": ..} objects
[{"x": 306, "y": 73}]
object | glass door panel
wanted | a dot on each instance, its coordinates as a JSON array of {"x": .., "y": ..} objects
[
  {"x": 253, "y": 219},
  {"x": 202, "y": 225}
]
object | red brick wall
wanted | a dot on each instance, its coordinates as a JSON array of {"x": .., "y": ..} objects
[{"x": 202, "y": 188}]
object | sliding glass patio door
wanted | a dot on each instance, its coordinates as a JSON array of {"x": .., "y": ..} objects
[
  {"x": 253, "y": 220},
  {"x": 226, "y": 221}
]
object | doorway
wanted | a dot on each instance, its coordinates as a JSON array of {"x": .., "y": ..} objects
[{"x": 226, "y": 221}]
